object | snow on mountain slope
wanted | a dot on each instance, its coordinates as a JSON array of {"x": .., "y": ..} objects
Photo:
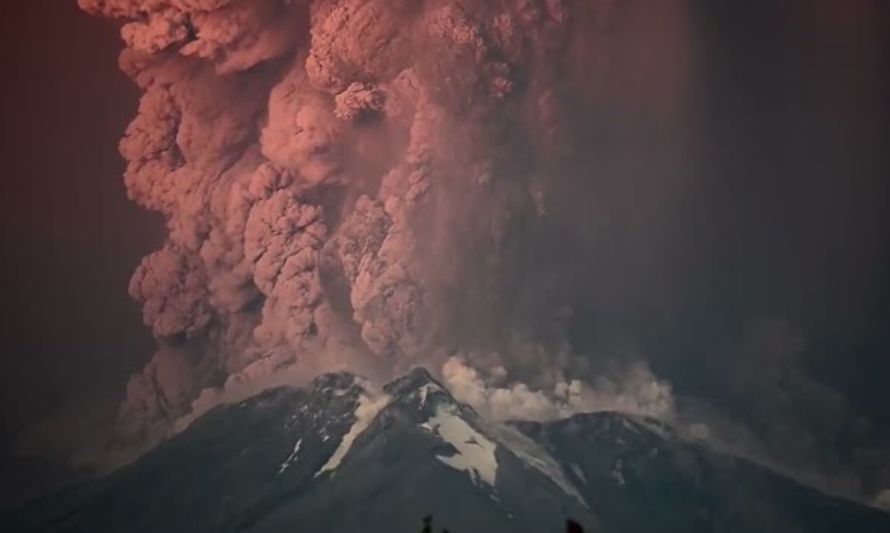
[
  {"x": 475, "y": 453},
  {"x": 293, "y": 457},
  {"x": 535, "y": 456},
  {"x": 370, "y": 403},
  {"x": 340, "y": 456}
]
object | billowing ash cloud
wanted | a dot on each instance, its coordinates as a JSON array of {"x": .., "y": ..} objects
[
  {"x": 373, "y": 184},
  {"x": 634, "y": 391},
  {"x": 337, "y": 177}
]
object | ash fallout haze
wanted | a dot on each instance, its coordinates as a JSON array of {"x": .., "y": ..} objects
[{"x": 674, "y": 210}]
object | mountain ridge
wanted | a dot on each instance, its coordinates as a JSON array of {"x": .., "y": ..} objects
[{"x": 342, "y": 455}]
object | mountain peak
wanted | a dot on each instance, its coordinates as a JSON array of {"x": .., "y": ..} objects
[
  {"x": 418, "y": 378},
  {"x": 334, "y": 380},
  {"x": 340, "y": 456}
]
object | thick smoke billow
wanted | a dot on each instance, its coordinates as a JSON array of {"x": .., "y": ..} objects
[
  {"x": 634, "y": 391},
  {"x": 374, "y": 184},
  {"x": 341, "y": 181}
]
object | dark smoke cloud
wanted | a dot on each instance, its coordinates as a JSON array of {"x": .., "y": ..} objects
[{"x": 519, "y": 192}]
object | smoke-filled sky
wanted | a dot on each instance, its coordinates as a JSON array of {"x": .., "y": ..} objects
[{"x": 679, "y": 209}]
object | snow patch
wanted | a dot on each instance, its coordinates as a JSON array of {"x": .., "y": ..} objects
[
  {"x": 475, "y": 453},
  {"x": 578, "y": 472},
  {"x": 534, "y": 456},
  {"x": 425, "y": 391},
  {"x": 628, "y": 426},
  {"x": 369, "y": 405},
  {"x": 292, "y": 458},
  {"x": 655, "y": 426},
  {"x": 617, "y": 473}
]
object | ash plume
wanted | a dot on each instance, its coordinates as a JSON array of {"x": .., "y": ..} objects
[
  {"x": 336, "y": 177},
  {"x": 375, "y": 184}
]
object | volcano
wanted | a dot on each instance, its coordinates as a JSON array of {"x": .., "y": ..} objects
[{"x": 340, "y": 455}]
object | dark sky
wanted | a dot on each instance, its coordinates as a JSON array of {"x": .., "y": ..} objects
[
  {"x": 747, "y": 255},
  {"x": 798, "y": 225},
  {"x": 70, "y": 238},
  {"x": 787, "y": 219}
]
